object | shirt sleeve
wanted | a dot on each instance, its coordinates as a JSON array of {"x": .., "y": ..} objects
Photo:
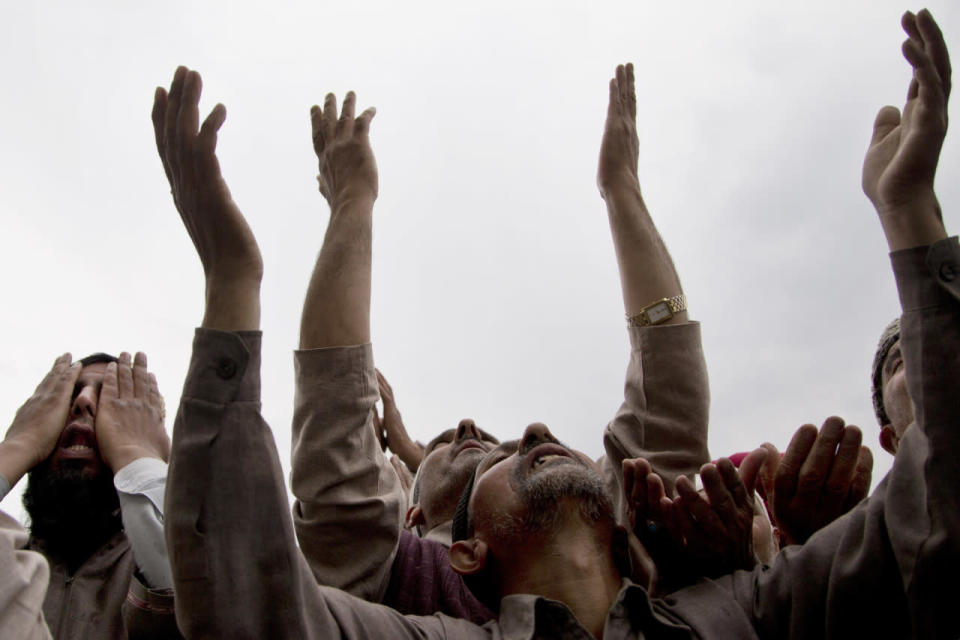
[
  {"x": 342, "y": 482},
  {"x": 887, "y": 568},
  {"x": 140, "y": 486},
  {"x": 666, "y": 406},
  {"x": 24, "y": 576},
  {"x": 236, "y": 567}
]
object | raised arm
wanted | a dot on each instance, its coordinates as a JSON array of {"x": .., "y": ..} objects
[
  {"x": 901, "y": 161},
  {"x": 647, "y": 273},
  {"x": 901, "y": 544},
  {"x": 336, "y": 311},
  {"x": 341, "y": 480},
  {"x": 232, "y": 266},
  {"x": 666, "y": 397}
]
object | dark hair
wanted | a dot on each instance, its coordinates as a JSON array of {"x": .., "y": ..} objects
[
  {"x": 95, "y": 358},
  {"x": 461, "y": 517}
]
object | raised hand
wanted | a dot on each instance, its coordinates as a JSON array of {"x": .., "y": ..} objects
[
  {"x": 717, "y": 530},
  {"x": 821, "y": 476},
  {"x": 37, "y": 425},
  {"x": 394, "y": 434},
  {"x": 129, "y": 422},
  {"x": 901, "y": 161},
  {"x": 695, "y": 535},
  {"x": 620, "y": 147},
  {"x": 225, "y": 244},
  {"x": 347, "y": 165}
]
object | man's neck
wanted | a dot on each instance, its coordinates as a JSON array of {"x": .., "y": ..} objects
[{"x": 574, "y": 566}]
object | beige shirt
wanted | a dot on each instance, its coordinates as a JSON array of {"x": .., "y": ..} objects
[
  {"x": 344, "y": 484},
  {"x": 23, "y": 584}
]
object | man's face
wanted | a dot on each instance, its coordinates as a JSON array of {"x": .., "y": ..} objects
[
  {"x": 448, "y": 461},
  {"x": 518, "y": 488},
  {"x": 896, "y": 397},
  {"x": 77, "y": 446}
]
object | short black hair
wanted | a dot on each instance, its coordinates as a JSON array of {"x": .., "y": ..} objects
[{"x": 98, "y": 357}]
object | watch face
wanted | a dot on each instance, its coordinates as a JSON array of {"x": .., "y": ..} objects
[{"x": 659, "y": 312}]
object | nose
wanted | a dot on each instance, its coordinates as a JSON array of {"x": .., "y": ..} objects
[
  {"x": 467, "y": 429},
  {"x": 535, "y": 434},
  {"x": 85, "y": 404}
]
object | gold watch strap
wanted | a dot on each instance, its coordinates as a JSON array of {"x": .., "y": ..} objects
[{"x": 676, "y": 304}]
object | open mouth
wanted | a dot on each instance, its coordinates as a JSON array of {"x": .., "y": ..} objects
[
  {"x": 78, "y": 439},
  {"x": 546, "y": 453}
]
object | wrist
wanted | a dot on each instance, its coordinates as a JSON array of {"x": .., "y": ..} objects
[
  {"x": 16, "y": 459},
  {"x": 126, "y": 455},
  {"x": 232, "y": 304},
  {"x": 353, "y": 197},
  {"x": 622, "y": 186},
  {"x": 917, "y": 224}
]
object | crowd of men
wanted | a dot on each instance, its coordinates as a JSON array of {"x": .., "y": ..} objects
[{"x": 476, "y": 535}]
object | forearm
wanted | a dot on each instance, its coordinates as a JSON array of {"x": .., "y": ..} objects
[
  {"x": 647, "y": 273},
  {"x": 233, "y": 302},
  {"x": 336, "y": 311}
]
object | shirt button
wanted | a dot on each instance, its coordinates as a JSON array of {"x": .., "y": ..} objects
[
  {"x": 948, "y": 271},
  {"x": 226, "y": 369}
]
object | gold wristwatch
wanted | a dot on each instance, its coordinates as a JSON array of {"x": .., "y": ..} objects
[{"x": 659, "y": 311}]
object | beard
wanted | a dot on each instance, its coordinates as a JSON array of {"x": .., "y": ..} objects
[
  {"x": 72, "y": 513},
  {"x": 543, "y": 492}
]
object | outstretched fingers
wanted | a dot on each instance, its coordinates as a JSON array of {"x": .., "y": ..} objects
[
  {"x": 171, "y": 114},
  {"x": 345, "y": 123},
  {"x": 887, "y": 120},
  {"x": 125, "y": 376},
  {"x": 329, "y": 123},
  {"x": 816, "y": 468},
  {"x": 785, "y": 482},
  {"x": 362, "y": 125},
  {"x": 935, "y": 47},
  {"x": 158, "y": 116},
  {"x": 862, "y": 475},
  {"x": 837, "y": 484}
]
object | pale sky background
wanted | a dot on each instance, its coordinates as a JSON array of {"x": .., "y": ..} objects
[{"x": 496, "y": 294}]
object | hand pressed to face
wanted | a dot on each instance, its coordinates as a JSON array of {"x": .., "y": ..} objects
[
  {"x": 38, "y": 423},
  {"x": 899, "y": 168},
  {"x": 129, "y": 422},
  {"x": 820, "y": 477},
  {"x": 224, "y": 242},
  {"x": 347, "y": 165},
  {"x": 620, "y": 147}
]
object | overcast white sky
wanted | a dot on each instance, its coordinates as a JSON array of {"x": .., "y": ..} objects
[{"x": 496, "y": 293}]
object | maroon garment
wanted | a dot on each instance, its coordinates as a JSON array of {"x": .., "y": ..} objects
[{"x": 422, "y": 582}]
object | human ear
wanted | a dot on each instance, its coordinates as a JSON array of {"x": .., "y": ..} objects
[
  {"x": 888, "y": 439},
  {"x": 468, "y": 557},
  {"x": 414, "y": 517}
]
